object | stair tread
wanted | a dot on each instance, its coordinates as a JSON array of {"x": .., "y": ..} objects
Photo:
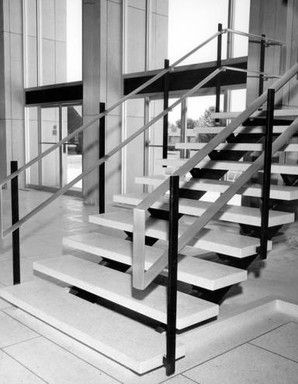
[
  {"x": 91, "y": 324},
  {"x": 232, "y": 213},
  {"x": 277, "y": 129},
  {"x": 116, "y": 286},
  {"x": 278, "y": 113},
  {"x": 254, "y": 147},
  {"x": 229, "y": 165},
  {"x": 210, "y": 240},
  {"x": 192, "y": 270},
  {"x": 281, "y": 192}
]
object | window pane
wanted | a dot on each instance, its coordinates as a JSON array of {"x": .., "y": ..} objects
[{"x": 190, "y": 23}]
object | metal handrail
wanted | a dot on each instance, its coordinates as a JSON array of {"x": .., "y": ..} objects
[
  {"x": 267, "y": 40},
  {"x": 127, "y": 97},
  {"x": 108, "y": 110},
  {"x": 142, "y": 279}
]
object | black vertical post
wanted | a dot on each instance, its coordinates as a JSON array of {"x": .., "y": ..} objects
[
  {"x": 218, "y": 63},
  {"x": 170, "y": 358},
  {"x": 267, "y": 174},
  {"x": 15, "y": 219},
  {"x": 165, "y": 106},
  {"x": 262, "y": 64},
  {"x": 102, "y": 150}
]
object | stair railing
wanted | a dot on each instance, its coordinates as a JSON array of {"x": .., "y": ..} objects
[
  {"x": 142, "y": 278},
  {"x": 18, "y": 223}
]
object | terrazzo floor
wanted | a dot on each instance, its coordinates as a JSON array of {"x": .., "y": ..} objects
[{"x": 31, "y": 352}]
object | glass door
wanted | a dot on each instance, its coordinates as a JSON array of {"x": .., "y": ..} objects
[
  {"x": 51, "y": 133},
  {"x": 45, "y": 126}
]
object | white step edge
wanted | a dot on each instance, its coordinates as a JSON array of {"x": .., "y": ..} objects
[
  {"x": 289, "y": 169},
  {"x": 192, "y": 270},
  {"x": 210, "y": 240},
  {"x": 278, "y": 113},
  {"x": 281, "y": 192},
  {"x": 124, "y": 340},
  {"x": 116, "y": 287},
  {"x": 234, "y": 214},
  {"x": 277, "y": 129},
  {"x": 249, "y": 147}
]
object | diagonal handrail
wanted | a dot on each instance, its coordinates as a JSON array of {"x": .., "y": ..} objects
[
  {"x": 129, "y": 96},
  {"x": 110, "y": 109},
  {"x": 142, "y": 279}
]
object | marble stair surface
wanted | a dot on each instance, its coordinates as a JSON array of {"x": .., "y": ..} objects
[
  {"x": 280, "y": 192},
  {"x": 122, "y": 339},
  {"x": 229, "y": 165},
  {"x": 116, "y": 287},
  {"x": 192, "y": 270},
  {"x": 212, "y": 240},
  {"x": 231, "y": 213},
  {"x": 249, "y": 147}
]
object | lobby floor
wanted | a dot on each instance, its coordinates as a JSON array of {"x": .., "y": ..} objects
[{"x": 258, "y": 347}]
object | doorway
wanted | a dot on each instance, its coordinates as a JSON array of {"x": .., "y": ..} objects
[{"x": 45, "y": 126}]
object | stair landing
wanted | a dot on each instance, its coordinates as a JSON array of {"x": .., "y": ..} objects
[{"x": 124, "y": 340}]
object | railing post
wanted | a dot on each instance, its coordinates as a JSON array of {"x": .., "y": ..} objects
[
  {"x": 218, "y": 63},
  {"x": 170, "y": 358},
  {"x": 262, "y": 64},
  {"x": 166, "y": 82},
  {"x": 102, "y": 150},
  {"x": 267, "y": 174},
  {"x": 14, "y": 219}
]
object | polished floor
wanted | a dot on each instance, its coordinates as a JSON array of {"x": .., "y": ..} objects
[{"x": 265, "y": 352}]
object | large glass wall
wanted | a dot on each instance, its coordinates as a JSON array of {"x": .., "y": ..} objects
[
  {"x": 53, "y": 41},
  {"x": 193, "y": 21}
]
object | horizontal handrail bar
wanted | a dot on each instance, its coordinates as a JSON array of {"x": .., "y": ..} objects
[
  {"x": 108, "y": 110},
  {"x": 213, "y": 143},
  {"x": 267, "y": 40},
  {"x": 111, "y": 153}
]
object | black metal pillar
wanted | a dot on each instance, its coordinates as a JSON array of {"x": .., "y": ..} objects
[
  {"x": 166, "y": 83},
  {"x": 218, "y": 63},
  {"x": 15, "y": 219},
  {"x": 267, "y": 174},
  {"x": 170, "y": 358},
  {"x": 262, "y": 64},
  {"x": 102, "y": 150}
]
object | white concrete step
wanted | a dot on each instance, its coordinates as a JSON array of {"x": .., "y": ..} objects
[
  {"x": 192, "y": 270},
  {"x": 277, "y": 129},
  {"x": 280, "y": 192},
  {"x": 124, "y": 340},
  {"x": 278, "y": 113},
  {"x": 116, "y": 287},
  {"x": 210, "y": 240},
  {"x": 241, "y": 166},
  {"x": 251, "y": 147},
  {"x": 231, "y": 213}
]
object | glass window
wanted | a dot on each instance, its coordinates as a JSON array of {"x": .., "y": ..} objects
[
  {"x": 53, "y": 41},
  {"x": 190, "y": 23}
]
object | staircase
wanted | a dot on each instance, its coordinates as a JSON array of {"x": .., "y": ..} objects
[{"x": 94, "y": 300}]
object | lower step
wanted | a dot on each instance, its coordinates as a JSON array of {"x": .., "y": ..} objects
[
  {"x": 192, "y": 270},
  {"x": 124, "y": 340},
  {"x": 116, "y": 287}
]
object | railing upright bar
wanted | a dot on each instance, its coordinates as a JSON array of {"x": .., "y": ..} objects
[
  {"x": 102, "y": 152},
  {"x": 262, "y": 64},
  {"x": 166, "y": 80},
  {"x": 267, "y": 174},
  {"x": 170, "y": 359},
  {"x": 1, "y": 213},
  {"x": 15, "y": 218},
  {"x": 218, "y": 63}
]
